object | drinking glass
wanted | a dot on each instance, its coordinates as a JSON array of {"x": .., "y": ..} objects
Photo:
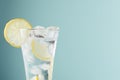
[{"x": 38, "y": 49}]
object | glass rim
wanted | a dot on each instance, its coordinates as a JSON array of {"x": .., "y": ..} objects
[{"x": 44, "y": 29}]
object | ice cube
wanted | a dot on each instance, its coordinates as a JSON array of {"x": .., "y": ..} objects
[
  {"x": 27, "y": 44},
  {"x": 51, "y": 49},
  {"x": 52, "y": 32},
  {"x": 30, "y": 59},
  {"x": 44, "y": 66},
  {"x": 35, "y": 70},
  {"x": 39, "y": 32}
]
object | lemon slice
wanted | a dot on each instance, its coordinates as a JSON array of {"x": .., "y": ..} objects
[
  {"x": 12, "y": 31},
  {"x": 40, "y": 51},
  {"x": 37, "y": 77}
]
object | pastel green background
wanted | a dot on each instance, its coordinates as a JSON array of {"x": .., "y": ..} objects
[{"x": 89, "y": 41}]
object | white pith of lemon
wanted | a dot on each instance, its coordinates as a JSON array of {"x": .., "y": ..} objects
[{"x": 12, "y": 31}]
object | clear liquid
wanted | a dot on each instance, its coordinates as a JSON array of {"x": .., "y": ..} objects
[{"x": 35, "y": 68}]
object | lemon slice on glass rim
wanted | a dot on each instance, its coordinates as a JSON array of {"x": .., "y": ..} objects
[{"x": 12, "y": 31}]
